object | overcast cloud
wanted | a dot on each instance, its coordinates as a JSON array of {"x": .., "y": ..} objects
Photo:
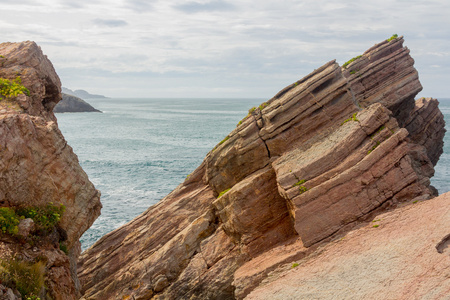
[{"x": 221, "y": 48}]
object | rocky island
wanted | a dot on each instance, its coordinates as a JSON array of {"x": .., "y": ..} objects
[
  {"x": 71, "y": 103},
  {"x": 322, "y": 192}
]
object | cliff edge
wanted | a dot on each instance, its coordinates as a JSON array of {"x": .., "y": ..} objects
[
  {"x": 327, "y": 153},
  {"x": 46, "y": 199}
]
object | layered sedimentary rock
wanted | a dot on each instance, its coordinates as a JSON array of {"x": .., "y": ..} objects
[
  {"x": 325, "y": 153},
  {"x": 395, "y": 257},
  {"x": 38, "y": 168}
]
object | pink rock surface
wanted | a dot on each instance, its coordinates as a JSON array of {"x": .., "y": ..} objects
[{"x": 406, "y": 257}]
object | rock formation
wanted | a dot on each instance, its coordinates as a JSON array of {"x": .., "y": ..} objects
[
  {"x": 71, "y": 103},
  {"x": 39, "y": 170},
  {"x": 402, "y": 254},
  {"x": 326, "y": 153}
]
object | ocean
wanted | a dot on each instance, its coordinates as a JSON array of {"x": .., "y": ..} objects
[{"x": 139, "y": 150}]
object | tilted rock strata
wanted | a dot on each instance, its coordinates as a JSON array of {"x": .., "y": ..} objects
[
  {"x": 325, "y": 153},
  {"x": 37, "y": 167},
  {"x": 403, "y": 254}
]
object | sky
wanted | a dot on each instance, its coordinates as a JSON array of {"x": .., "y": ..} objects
[{"x": 221, "y": 48}]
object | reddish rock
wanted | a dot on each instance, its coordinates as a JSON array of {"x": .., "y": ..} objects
[
  {"x": 323, "y": 155},
  {"x": 396, "y": 256},
  {"x": 37, "y": 168}
]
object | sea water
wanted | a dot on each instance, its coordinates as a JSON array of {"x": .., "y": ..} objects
[{"x": 139, "y": 150}]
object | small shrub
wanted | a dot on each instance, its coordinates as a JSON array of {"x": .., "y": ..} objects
[
  {"x": 251, "y": 110},
  {"x": 263, "y": 105},
  {"x": 223, "y": 192},
  {"x": 352, "y": 72},
  {"x": 302, "y": 189},
  {"x": 63, "y": 248},
  {"x": 376, "y": 225},
  {"x": 45, "y": 217},
  {"x": 9, "y": 221},
  {"x": 415, "y": 201},
  {"x": 224, "y": 140},
  {"x": 300, "y": 185},
  {"x": 9, "y": 89},
  {"x": 393, "y": 37},
  {"x": 300, "y": 182},
  {"x": 27, "y": 278},
  {"x": 294, "y": 265},
  {"x": 352, "y": 118},
  {"x": 350, "y": 61}
]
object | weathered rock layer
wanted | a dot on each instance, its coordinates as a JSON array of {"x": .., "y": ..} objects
[
  {"x": 38, "y": 168},
  {"x": 326, "y": 152},
  {"x": 395, "y": 257}
]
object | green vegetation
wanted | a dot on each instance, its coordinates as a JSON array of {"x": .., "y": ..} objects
[
  {"x": 223, "y": 192},
  {"x": 350, "y": 61},
  {"x": 415, "y": 201},
  {"x": 353, "y": 72},
  {"x": 377, "y": 132},
  {"x": 393, "y": 37},
  {"x": 302, "y": 189},
  {"x": 9, "y": 221},
  {"x": 251, "y": 110},
  {"x": 27, "y": 278},
  {"x": 294, "y": 265},
  {"x": 63, "y": 248},
  {"x": 377, "y": 220},
  {"x": 352, "y": 118},
  {"x": 44, "y": 217},
  {"x": 300, "y": 182},
  {"x": 263, "y": 105},
  {"x": 376, "y": 226},
  {"x": 374, "y": 147},
  {"x": 300, "y": 185},
  {"x": 9, "y": 89},
  {"x": 1, "y": 56},
  {"x": 224, "y": 140}
]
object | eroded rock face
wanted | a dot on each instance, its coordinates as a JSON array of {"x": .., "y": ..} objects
[
  {"x": 395, "y": 257},
  {"x": 325, "y": 153},
  {"x": 37, "y": 167}
]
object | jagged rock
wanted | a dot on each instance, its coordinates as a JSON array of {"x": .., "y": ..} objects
[
  {"x": 7, "y": 294},
  {"x": 325, "y": 153},
  {"x": 38, "y": 75},
  {"x": 71, "y": 103},
  {"x": 37, "y": 167}
]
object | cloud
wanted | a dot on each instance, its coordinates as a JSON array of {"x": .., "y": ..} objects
[
  {"x": 195, "y": 7},
  {"x": 139, "y": 6},
  {"x": 110, "y": 22}
]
